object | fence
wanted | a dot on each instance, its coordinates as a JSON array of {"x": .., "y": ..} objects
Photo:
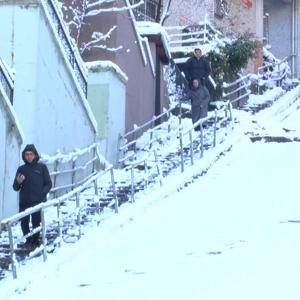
[{"x": 6, "y": 82}]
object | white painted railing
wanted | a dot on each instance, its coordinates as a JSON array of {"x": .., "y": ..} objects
[
  {"x": 186, "y": 38},
  {"x": 70, "y": 170},
  {"x": 128, "y": 141},
  {"x": 273, "y": 72},
  {"x": 221, "y": 118},
  {"x": 238, "y": 91}
]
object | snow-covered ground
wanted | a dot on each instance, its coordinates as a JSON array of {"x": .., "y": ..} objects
[{"x": 230, "y": 234}]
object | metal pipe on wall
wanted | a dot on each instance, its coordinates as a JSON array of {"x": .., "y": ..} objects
[
  {"x": 296, "y": 37},
  {"x": 293, "y": 38}
]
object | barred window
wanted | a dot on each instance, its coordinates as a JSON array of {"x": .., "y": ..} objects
[{"x": 147, "y": 11}]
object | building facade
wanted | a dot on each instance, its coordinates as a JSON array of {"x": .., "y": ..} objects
[
  {"x": 281, "y": 31},
  {"x": 138, "y": 57}
]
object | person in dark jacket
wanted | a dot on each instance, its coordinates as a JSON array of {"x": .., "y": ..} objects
[
  {"x": 200, "y": 97},
  {"x": 197, "y": 67},
  {"x": 34, "y": 182}
]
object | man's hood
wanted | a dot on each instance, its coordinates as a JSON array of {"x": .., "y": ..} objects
[{"x": 30, "y": 147}]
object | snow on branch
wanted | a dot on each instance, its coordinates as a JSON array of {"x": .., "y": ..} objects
[
  {"x": 98, "y": 2},
  {"x": 75, "y": 17},
  {"x": 98, "y": 37},
  {"x": 113, "y": 9},
  {"x": 165, "y": 13}
]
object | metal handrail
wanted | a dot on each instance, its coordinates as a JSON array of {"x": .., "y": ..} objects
[
  {"x": 227, "y": 118},
  {"x": 71, "y": 158},
  {"x": 132, "y": 143},
  {"x": 154, "y": 119},
  {"x": 9, "y": 222},
  {"x": 68, "y": 47},
  {"x": 239, "y": 89},
  {"x": 272, "y": 64}
]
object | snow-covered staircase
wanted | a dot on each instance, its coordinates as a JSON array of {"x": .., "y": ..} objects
[{"x": 93, "y": 212}]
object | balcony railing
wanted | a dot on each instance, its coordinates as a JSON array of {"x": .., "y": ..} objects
[
  {"x": 67, "y": 45},
  {"x": 185, "y": 38},
  {"x": 6, "y": 82}
]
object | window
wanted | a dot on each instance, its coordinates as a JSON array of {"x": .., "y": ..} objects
[{"x": 147, "y": 11}]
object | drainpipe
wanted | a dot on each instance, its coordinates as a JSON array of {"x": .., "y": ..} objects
[{"x": 294, "y": 24}]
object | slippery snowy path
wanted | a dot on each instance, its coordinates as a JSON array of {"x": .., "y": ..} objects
[{"x": 232, "y": 234}]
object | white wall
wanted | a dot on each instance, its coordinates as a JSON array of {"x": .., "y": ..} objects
[
  {"x": 280, "y": 27},
  {"x": 112, "y": 108},
  {"x": 50, "y": 106},
  {"x": 10, "y": 141},
  {"x": 52, "y": 112}
]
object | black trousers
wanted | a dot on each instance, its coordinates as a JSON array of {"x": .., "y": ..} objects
[{"x": 35, "y": 220}]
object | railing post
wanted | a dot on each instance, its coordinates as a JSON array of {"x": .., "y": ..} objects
[
  {"x": 215, "y": 128},
  {"x": 191, "y": 147},
  {"x": 73, "y": 171},
  {"x": 59, "y": 229},
  {"x": 94, "y": 155},
  {"x": 169, "y": 125},
  {"x": 146, "y": 173},
  {"x": 96, "y": 190},
  {"x": 119, "y": 149},
  {"x": 135, "y": 138},
  {"x": 44, "y": 234},
  {"x": 180, "y": 112},
  {"x": 78, "y": 221},
  {"x": 12, "y": 250},
  {"x": 151, "y": 132},
  {"x": 132, "y": 184},
  {"x": 230, "y": 113},
  {"x": 181, "y": 149},
  {"x": 158, "y": 168},
  {"x": 55, "y": 176},
  {"x": 151, "y": 138},
  {"x": 201, "y": 141},
  {"x": 96, "y": 187},
  {"x": 114, "y": 190}
]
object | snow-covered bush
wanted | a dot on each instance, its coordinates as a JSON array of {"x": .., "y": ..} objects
[{"x": 227, "y": 63}]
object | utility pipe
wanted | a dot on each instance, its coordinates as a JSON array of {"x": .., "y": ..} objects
[{"x": 294, "y": 37}]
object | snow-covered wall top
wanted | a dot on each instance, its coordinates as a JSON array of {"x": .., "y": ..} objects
[
  {"x": 105, "y": 65},
  {"x": 151, "y": 28}
]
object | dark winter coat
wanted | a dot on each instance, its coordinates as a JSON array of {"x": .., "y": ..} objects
[
  {"x": 197, "y": 69},
  {"x": 200, "y": 98},
  {"x": 37, "y": 183}
]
